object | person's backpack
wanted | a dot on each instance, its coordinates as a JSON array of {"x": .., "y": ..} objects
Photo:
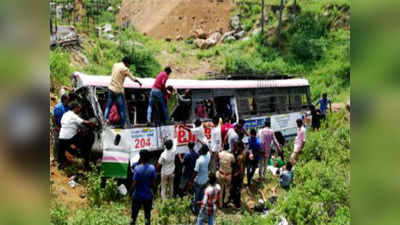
[{"x": 114, "y": 115}]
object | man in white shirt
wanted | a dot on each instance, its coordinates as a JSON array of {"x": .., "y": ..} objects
[
  {"x": 216, "y": 144},
  {"x": 70, "y": 123},
  {"x": 198, "y": 132},
  {"x": 232, "y": 137},
  {"x": 299, "y": 142},
  {"x": 167, "y": 164}
]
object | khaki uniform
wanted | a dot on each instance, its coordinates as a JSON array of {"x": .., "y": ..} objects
[
  {"x": 224, "y": 175},
  {"x": 237, "y": 181}
]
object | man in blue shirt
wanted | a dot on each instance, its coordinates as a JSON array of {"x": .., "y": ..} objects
[
  {"x": 323, "y": 105},
  {"x": 254, "y": 152},
  {"x": 144, "y": 178},
  {"x": 287, "y": 176},
  {"x": 200, "y": 177},
  {"x": 189, "y": 162},
  {"x": 58, "y": 112}
]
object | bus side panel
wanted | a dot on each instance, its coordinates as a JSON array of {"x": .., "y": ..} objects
[
  {"x": 120, "y": 146},
  {"x": 116, "y": 153}
]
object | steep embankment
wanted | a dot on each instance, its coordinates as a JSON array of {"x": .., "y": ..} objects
[{"x": 173, "y": 18}]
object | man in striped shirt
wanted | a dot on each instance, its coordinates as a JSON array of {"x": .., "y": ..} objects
[
  {"x": 267, "y": 136},
  {"x": 209, "y": 202}
]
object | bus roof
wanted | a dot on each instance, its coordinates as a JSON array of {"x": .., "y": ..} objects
[{"x": 103, "y": 81}]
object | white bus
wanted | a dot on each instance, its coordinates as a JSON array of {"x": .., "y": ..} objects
[{"x": 280, "y": 101}]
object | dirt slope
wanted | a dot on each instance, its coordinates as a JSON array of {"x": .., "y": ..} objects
[{"x": 171, "y": 18}]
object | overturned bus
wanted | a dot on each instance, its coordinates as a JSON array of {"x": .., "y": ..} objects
[{"x": 280, "y": 101}]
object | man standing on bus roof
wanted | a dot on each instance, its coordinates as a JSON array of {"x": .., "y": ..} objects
[
  {"x": 116, "y": 88},
  {"x": 157, "y": 94},
  {"x": 323, "y": 105},
  {"x": 267, "y": 136}
]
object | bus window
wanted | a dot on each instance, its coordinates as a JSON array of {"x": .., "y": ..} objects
[
  {"x": 283, "y": 104},
  {"x": 265, "y": 104},
  {"x": 247, "y": 106},
  {"x": 295, "y": 103},
  {"x": 204, "y": 109}
]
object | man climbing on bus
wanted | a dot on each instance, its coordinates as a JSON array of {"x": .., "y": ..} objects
[
  {"x": 157, "y": 97},
  {"x": 116, "y": 88}
]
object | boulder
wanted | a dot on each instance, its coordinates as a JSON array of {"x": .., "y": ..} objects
[
  {"x": 201, "y": 43},
  {"x": 227, "y": 34},
  {"x": 235, "y": 22},
  {"x": 239, "y": 34},
  {"x": 200, "y": 33},
  {"x": 229, "y": 38},
  {"x": 213, "y": 39},
  {"x": 107, "y": 28},
  {"x": 131, "y": 43},
  {"x": 62, "y": 190}
]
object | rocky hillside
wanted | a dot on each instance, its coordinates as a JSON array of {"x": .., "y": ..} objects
[{"x": 175, "y": 19}]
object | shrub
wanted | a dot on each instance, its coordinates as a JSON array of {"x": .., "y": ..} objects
[
  {"x": 106, "y": 17},
  {"x": 60, "y": 68},
  {"x": 306, "y": 49},
  {"x": 144, "y": 62},
  {"x": 307, "y": 24},
  {"x": 95, "y": 193},
  {"x": 106, "y": 214},
  {"x": 173, "y": 211},
  {"x": 59, "y": 214}
]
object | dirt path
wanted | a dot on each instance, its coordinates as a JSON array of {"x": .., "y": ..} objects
[{"x": 162, "y": 18}]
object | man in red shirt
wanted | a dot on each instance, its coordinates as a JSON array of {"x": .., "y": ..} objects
[
  {"x": 225, "y": 127},
  {"x": 157, "y": 94}
]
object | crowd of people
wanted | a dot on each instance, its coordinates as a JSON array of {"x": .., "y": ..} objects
[
  {"x": 214, "y": 170},
  {"x": 211, "y": 171}
]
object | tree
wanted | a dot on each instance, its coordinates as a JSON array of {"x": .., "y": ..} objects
[
  {"x": 280, "y": 22},
  {"x": 262, "y": 16}
]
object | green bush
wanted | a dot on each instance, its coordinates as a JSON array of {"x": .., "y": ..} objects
[
  {"x": 144, "y": 61},
  {"x": 106, "y": 17},
  {"x": 98, "y": 195},
  {"x": 173, "y": 211},
  {"x": 307, "y": 24},
  {"x": 307, "y": 49},
  {"x": 60, "y": 68},
  {"x": 58, "y": 214},
  {"x": 99, "y": 215}
]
